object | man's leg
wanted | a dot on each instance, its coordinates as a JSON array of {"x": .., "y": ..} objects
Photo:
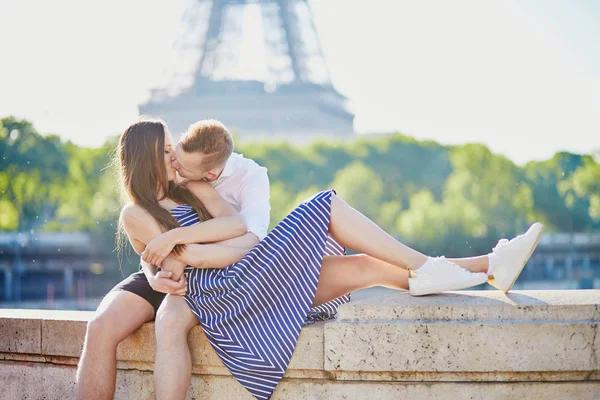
[
  {"x": 173, "y": 365},
  {"x": 120, "y": 314}
]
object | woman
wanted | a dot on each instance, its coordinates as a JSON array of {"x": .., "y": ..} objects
[{"x": 253, "y": 306}]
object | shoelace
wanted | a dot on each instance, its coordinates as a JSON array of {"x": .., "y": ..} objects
[
  {"x": 443, "y": 258},
  {"x": 502, "y": 242}
]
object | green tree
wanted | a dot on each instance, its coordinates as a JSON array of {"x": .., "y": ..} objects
[
  {"x": 582, "y": 189},
  {"x": 559, "y": 209},
  {"x": 494, "y": 185},
  {"x": 361, "y": 187},
  {"x": 32, "y": 170},
  {"x": 453, "y": 200}
]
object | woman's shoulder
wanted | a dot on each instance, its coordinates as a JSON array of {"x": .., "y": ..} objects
[{"x": 133, "y": 211}]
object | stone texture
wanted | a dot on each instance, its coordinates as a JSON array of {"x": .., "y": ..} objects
[
  {"x": 49, "y": 382},
  {"x": 307, "y": 360},
  {"x": 308, "y": 354},
  {"x": 486, "y": 334},
  {"x": 453, "y": 347},
  {"x": 478, "y": 345},
  {"x": 33, "y": 381},
  {"x": 20, "y": 332},
  {"x": 134, "y": 385},
  {"x": 492, "y": 305},
  {"x": 204, "y": 358},
  {"x": 140, "y": 346},
  {"x": 63, "y": 335},
  {"x": 439, "y": 391}
]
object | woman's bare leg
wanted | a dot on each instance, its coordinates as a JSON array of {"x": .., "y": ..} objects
[
  {"x": 357, "y": 232},
  {"x": 344, "y": 274}
]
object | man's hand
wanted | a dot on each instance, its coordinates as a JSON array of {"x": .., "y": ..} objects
[
  {"x": 176, "y": 267},
  {"x": 162, "y": 282},
  {"x": 158, "y": 249}
]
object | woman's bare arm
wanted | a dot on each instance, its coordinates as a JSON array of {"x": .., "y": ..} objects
[
  {"x": 226, "y": 224},
  {"x": 140, "y": 228},
  {"x": 211, "y": 255},
  {"x": 246, "y": 241}
]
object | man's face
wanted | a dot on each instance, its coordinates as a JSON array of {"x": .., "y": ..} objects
[{"x": 189, "y": 165}]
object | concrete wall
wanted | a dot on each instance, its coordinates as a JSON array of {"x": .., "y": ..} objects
[{"x": 479, "y": 344}]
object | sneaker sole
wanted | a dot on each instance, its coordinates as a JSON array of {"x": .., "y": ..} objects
[
  {"x": 447, "y": 287},
  {"x": 499, "y": 286}
]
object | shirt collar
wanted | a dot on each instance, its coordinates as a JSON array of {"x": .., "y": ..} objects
[{"x": 229, "y": 166}]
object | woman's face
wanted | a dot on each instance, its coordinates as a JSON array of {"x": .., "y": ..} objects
[{"x": 168, "y": 154}]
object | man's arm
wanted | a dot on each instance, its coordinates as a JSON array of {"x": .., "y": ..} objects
[
  {"x": 211, "y": 255},
  {"x": 226, "y": 224},
  {"x": 255, "y": 209},
  {"x": 215, "y": 255}
]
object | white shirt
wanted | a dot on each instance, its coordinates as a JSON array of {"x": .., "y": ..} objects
[{"x": 245, "y": 185}]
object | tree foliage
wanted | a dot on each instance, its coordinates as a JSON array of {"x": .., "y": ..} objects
[{"x": 453, "y": 200}]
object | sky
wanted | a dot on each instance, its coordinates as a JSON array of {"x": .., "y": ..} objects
[{"x": 522, "y": 77}]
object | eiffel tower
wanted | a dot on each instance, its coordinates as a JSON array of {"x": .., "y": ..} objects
[{"x": 256, "y": 65}]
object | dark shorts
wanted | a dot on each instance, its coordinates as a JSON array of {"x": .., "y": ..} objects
[{"x": 138, "y": 283}]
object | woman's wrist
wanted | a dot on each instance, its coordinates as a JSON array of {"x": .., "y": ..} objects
[{"x": 175, "y": 236}]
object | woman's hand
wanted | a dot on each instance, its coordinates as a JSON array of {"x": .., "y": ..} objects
[
  {"x": 162, "y": 282},
  {"x": 158, "y": 249}
]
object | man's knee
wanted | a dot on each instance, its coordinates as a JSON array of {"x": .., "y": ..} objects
[
  {"x": 171, "y": 325},
  {"x": 101, "y": 331}
]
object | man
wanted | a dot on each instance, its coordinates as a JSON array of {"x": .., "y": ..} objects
[{"x": 205, "y": 152}]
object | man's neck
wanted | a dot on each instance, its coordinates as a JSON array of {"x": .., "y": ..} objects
[{"x": 220, "y": 173}]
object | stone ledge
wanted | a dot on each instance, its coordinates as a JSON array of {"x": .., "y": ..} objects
[
  {"x": 47, "y": 381},
  {"x": 488, "y": 305},
  {"x": 58, "y": 336},
  {"x": 398, "y": 345},
  {"x": 467, "y": 348},
  {"x": 472, "y": 335}
]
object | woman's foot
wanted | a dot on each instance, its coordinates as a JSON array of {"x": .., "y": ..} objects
[
  {"x": 439, "y": 275},
  {"x": 508, "y": 258}
]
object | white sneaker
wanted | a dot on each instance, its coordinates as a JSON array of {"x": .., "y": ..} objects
[
  {"x": 511, "y": 256},
  {"x": 438, "y": 275}
]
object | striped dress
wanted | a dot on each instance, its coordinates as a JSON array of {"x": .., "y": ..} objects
[{"x": 252, "y": 311}]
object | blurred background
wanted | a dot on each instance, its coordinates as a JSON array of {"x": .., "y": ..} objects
[{"x": 450, "y": 124}]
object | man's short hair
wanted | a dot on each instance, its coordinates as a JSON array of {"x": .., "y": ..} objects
[{"x": 211, "y": 138}]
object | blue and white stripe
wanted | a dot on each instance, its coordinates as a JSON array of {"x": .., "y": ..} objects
[{"x": 252, "y": 311}]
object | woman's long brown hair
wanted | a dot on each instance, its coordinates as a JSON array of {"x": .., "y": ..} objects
[{"x": 144, "y": 176}]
